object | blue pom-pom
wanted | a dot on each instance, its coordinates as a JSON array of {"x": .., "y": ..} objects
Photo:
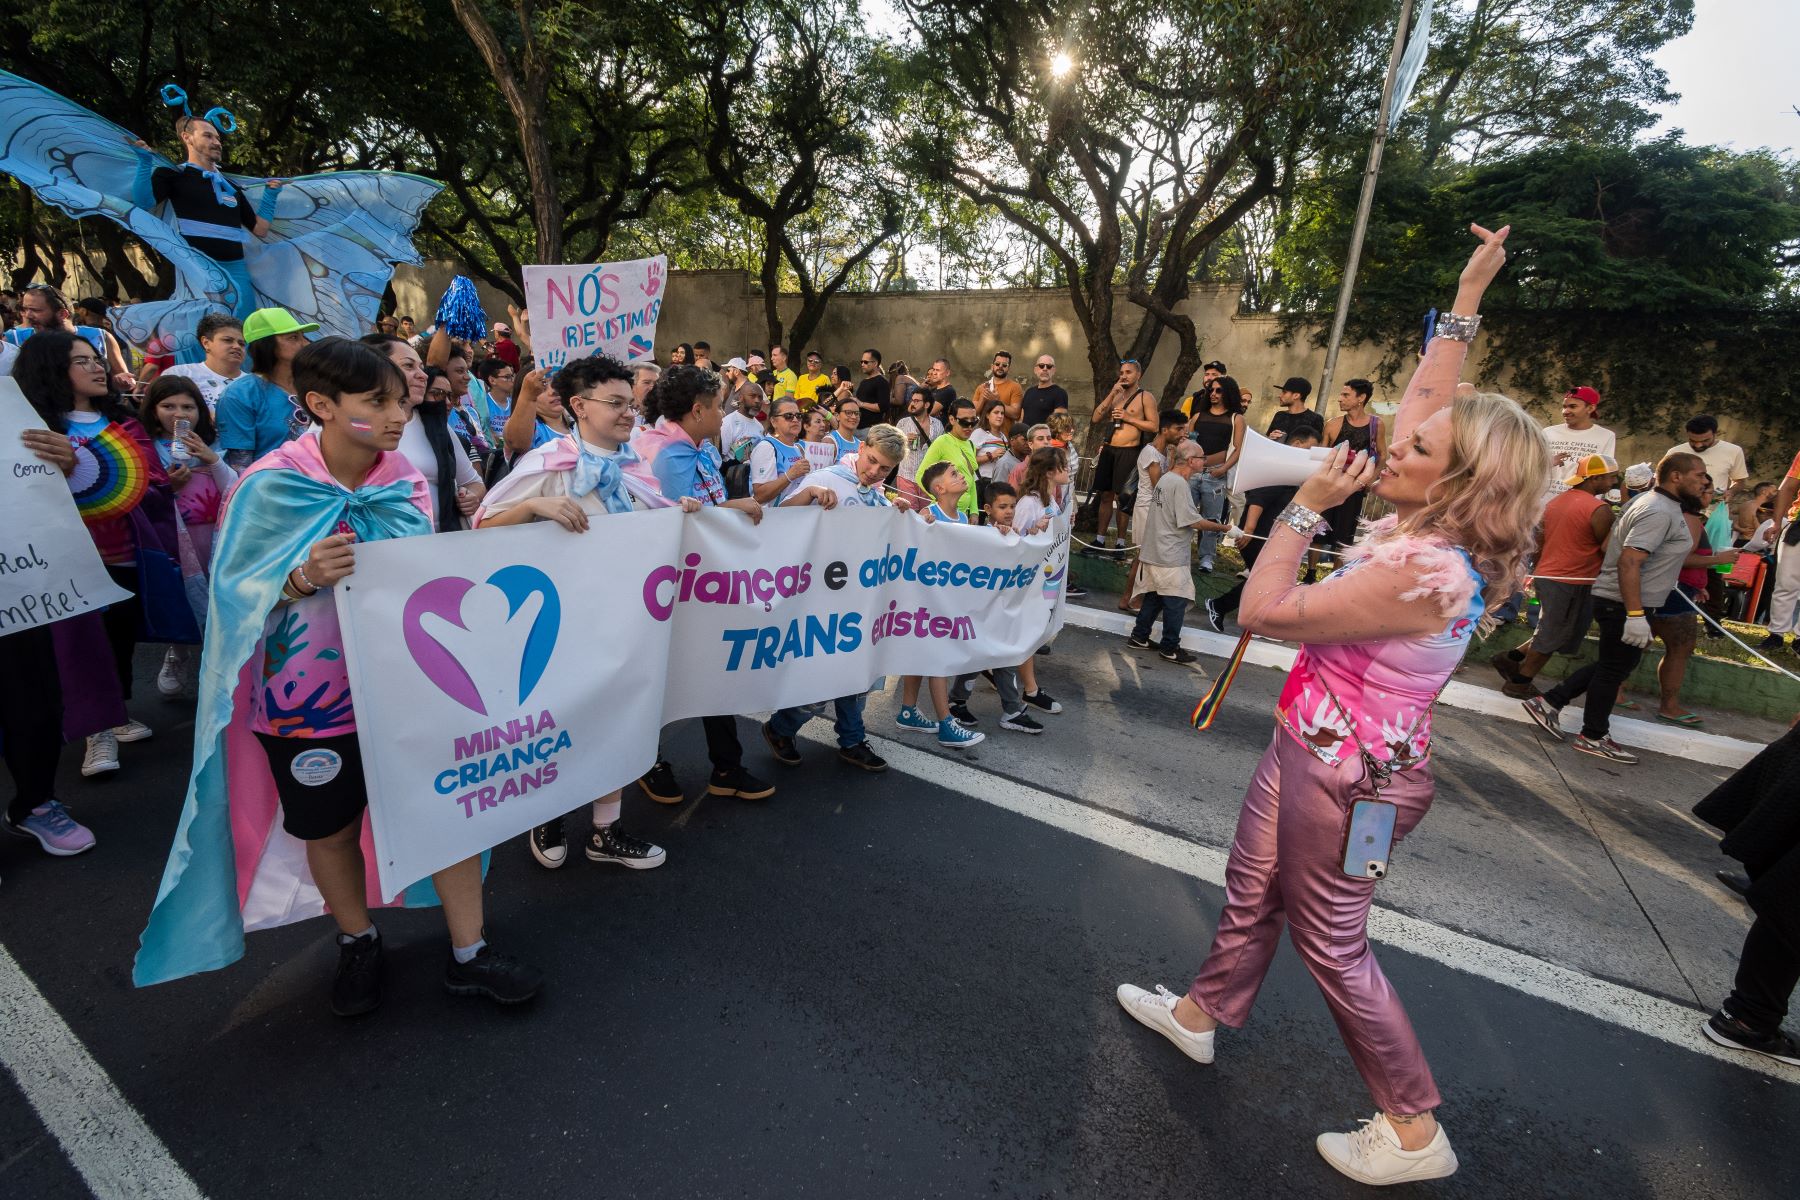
[{"x": 460, "y": 313}]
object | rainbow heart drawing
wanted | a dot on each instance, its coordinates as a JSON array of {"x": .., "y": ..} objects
[{"x": 462, "y": 635}]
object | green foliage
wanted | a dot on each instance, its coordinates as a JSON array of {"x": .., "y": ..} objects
[{"x": 1659, "y": 272}]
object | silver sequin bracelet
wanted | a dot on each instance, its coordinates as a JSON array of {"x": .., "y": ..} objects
[{"x": 1301, "y": 519}]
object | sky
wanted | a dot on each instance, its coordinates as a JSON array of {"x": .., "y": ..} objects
[{"x": 1736, "y": 76}]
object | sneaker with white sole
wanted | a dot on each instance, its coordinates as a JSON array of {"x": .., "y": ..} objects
[
  {"x": 131, "y": 731},
  {"x": 1546, "y": 714},
  {"x": 55, "y": 830},
  {"x": 1726, "y": 1030},
  {"x": 102, "y": 754},
  {"x": 1021, "y": 722},
  {"x": 1373, "y": 1155},
  {"x": 168, "y": 679},
  {"x": 1603, "y": 747},
  {"x": 914, "y": 721},
  {"x": 1044, "y": 702},
  {"x": 960, "y": 713},
  {"x": 1157, "y": 1010},
  {"x": 614, "y": 845},
  {"x": 955, "y": 737},
  {"x": 549, "y": 846}
]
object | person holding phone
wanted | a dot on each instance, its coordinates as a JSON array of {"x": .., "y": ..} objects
[{"x": 1465, "y": 476}]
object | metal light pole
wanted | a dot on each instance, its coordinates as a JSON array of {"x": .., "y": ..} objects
[{"x": 1363, "y": 204}]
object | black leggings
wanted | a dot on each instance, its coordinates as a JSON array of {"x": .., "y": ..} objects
[
  {"x": 124, "y": 623},
  {"x": 30, "y": 717}
]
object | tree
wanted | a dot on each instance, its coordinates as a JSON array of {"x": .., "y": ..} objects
[
  {"x": 1657, "y": 272},
  {"x": 791, "y": 91}
]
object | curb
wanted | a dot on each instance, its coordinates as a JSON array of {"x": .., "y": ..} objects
[{"x": 1691, "y": 744}]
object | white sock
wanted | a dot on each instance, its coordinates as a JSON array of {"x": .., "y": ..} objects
[
  {"x": 606, "y": 812},
  {"x": 344, "y": 939},
  {"x": 465, "y": 953}
]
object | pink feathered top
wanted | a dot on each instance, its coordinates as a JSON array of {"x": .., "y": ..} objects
[{"x": 1387, "y": 687}]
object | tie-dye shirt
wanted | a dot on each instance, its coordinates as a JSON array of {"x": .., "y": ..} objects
[{"x": 1387, "y": 687}]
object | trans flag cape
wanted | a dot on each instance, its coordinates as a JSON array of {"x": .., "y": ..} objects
[
  {"x": 233, "y": 868},
  {"x": 331, "y": 249}
]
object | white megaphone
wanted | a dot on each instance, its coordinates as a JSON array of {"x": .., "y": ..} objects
[{"x": 1266, "y": 463}]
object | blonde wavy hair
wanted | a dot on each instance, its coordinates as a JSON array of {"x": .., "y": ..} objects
[{"x": 1491, "y": 495}]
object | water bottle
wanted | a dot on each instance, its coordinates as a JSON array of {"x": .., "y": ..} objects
[{"x": 178, "y": 450}]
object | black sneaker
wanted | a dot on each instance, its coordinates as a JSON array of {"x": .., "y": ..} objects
[
  {"x": 548, "y": 845},
  {"x": 1045, "y": 649},
  {"x": 1737, "y": 881},
  {"x": 614, "y": 845},
  {"x": 356, "y": 987},
  {"x": 500, "y": 977},
  {"x": 959, "y": 712},
  {"x": 1075, "y": 593},
  {"x": 1771, "y": 643},
  {"x": 660, "y": 784},
  {"x": 1181, "y": 656},
  {"x": 735, "y": 781},
  {"x": 1733, "y": 1034},
  {"x": 1137, "y": 643},
  {"x": 1213, "y": 618},
  {"x": 1044, "y": 702},
  {"x": 1021, "y": 722},
  {"x": 860, "y": 755},
  {"x": 786, "y": 753}
]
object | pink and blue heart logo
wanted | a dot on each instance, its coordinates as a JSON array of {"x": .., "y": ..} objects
[
  {"x": 444, "y": 597},
  {"x": 640, "y": 345}
]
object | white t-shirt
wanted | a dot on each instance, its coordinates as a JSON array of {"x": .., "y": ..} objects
[
  {"x": 762, "y": 469},
  {"x": 984, "y": 441},
  {"x": 848, "y": 494},
  {"x": 1724, "y": 462},
  {"x": 737, "y": 429},
  {"x": 8, "y": 352},
  {"x": 1567, "y": 445},
  {"x": 1145, "y": 485},
  {"x": 415, "y": 447},
  {"x": 209, "y": 381}
]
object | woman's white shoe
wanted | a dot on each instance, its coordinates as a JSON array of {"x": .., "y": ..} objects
[
  {"x": 1373, "y": 1155},
  {"x": 1157, "y": 1010}
]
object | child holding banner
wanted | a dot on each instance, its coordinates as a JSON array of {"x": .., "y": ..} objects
[
  {"x": 681, "y": 456},
  {"x": 590, "y": 473},
  {"x": 841, "y": 486},
  {"x": 946, "y": 485},
  {"x": 275, "y": 735}
]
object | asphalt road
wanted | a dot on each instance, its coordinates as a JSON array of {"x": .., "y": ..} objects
[{"x": 886, "y": 986}]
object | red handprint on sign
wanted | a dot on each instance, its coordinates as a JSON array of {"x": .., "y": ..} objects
[{"x": 653, "y": 278}]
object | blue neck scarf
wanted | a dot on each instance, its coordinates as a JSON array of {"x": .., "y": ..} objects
[
  {"x": 223, "y": 192},
  {"x": 871, "y": 496},
  {"x": 602, "y": 474}
]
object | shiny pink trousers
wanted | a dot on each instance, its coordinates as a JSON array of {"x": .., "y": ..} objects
[{"x": 1286, "y": 867}]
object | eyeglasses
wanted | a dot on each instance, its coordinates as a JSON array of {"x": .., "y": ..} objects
[
  {"x": 966, "y": 422},
  {"x": 1046, "y": 366},
  {"x": 615, "y": 405},
  {"x": 786, "y": 416},
  {"x": 437, "y": 393},
  {"x": 86, "y": 360}
]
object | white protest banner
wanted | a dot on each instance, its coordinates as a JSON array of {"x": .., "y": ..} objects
[
  {"x": 602, "y": 308},
  {"x": 505, "y": 677},
  {"x": 49, "y": 569}
]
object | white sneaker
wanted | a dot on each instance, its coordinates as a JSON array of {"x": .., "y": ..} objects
[
  {"x": 102, "y": 754},
  {"x": 1157, "y": 1010},
  {"x": 1373, "y": 1155},
  {"x": 168, "y": 679},
  {"x": 131, "y": 731}
]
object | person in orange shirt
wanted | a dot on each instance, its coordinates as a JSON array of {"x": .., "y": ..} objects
[
  {"x": 1000, "y": 386},
  {"x": 1576, "y": 525}
]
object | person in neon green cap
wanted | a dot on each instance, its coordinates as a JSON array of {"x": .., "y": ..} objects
[{"x": 257, "y": 411}]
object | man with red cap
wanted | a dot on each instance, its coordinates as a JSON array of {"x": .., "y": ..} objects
[{"x": 1577, "y": 437}]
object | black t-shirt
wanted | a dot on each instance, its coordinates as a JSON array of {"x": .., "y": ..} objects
[
  {"x": 940, "y": 400},
  {"x": 875, "y": 390},
  {"x": 1285, "y": 422},
  {"x": 1040, "y": 402},
  {"x": 194, "y": 200},
  {"x": 1273, "y": 500}
]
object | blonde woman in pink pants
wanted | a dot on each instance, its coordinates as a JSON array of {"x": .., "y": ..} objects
[{"x": 1379, "y": 637}]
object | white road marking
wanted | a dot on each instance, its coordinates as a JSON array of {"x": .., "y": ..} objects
[
  {"x": 104, "y": 1137},
  {"x": 1691, "y": 744},
  {"x": 1638, "y": 1012}
]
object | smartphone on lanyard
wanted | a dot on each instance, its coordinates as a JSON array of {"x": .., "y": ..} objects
[{"x": 1369, "y": 840}]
